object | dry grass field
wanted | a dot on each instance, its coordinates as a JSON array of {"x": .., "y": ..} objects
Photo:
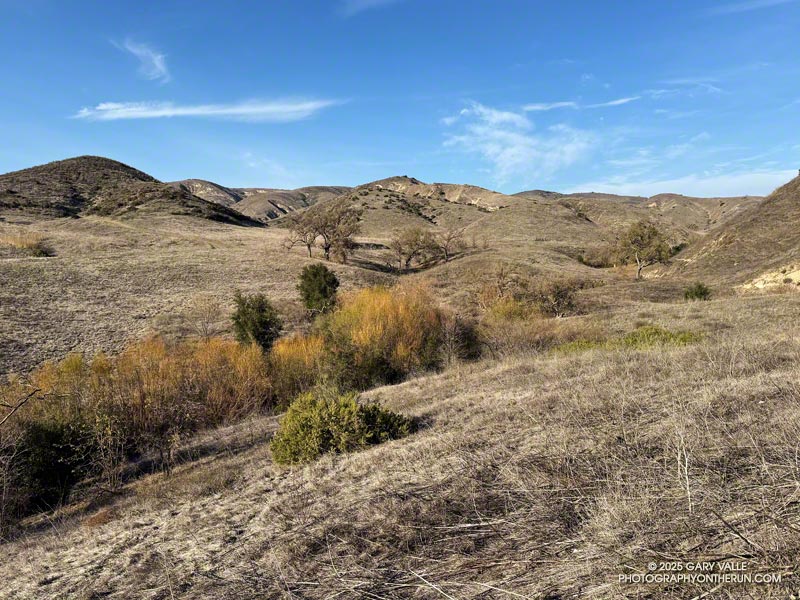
[
  {"x": 548, "y": 468},
  {"x": 535, "y": 477},
  {"x": 112, "y": 280}
]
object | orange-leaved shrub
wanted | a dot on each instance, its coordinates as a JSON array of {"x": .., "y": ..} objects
[
  {"x": 379, "y": 335},
  {"x": 93, "y": 414}
]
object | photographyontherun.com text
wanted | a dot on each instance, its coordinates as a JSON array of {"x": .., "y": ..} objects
[{"x": 708, "y": 572}]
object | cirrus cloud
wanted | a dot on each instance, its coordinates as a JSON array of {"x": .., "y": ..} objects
[
  {"x": 152, "y": 63},
  {"x": 272, "y": 111}
]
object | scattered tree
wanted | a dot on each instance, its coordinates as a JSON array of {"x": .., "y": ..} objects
[
  {"x": 412, "y": 244},
  {"x": 450, "y": 241},
  {"x": 318, "y": 286},
  {"x": 332, "y": 225},
  {"x": 643, "y": 244},
  {"x": 255, "y": 320},
  {"x": 301, "y": 232}
]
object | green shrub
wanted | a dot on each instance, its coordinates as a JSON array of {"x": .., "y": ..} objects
[
  {"x": 652, "y": 335},
  {"x": 55, "y": 457},
  {"x": 697, "y": 291},
  {"x": 255, "y": 321},
  {"x": 317, "y": 287},
  {"x": 323, "y": 421},
  {"x": 578, "y": 346}
]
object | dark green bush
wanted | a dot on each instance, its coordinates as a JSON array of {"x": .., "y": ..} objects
[
  {"x": 55, "y": 457},
  {"x": 697, "y": 291},
  {"x": 317, "y": 287},
  {"x": 255, "y": 321},
  {"x": 324, "y": 421},
  {"x": 678, "y": 248}
]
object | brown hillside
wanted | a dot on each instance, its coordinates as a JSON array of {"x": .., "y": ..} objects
[
  {"x": 267, "y": 204},
  {"x": 210, "y": 191},
  {"x": 684, "y": 217},
  {"x": 100, "y": 186},
  {"x": 761, "y": 246}
]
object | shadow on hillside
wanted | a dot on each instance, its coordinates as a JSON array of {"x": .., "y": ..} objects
[{"x": 91, "y": 495}]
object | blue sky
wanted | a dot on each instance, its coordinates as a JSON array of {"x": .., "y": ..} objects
[{"x": 696, "y": 97}]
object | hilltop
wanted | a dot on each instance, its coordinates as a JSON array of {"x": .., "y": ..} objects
[
  {"x": 101, "y": 186},
  {"x": 683, "y": 215}
]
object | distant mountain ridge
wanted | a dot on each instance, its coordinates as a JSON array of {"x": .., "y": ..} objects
[
  {"x": 263, "y": 204},
  {"x": 96, "y": 185}
]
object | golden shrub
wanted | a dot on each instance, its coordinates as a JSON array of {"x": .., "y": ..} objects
[
  {"x": 381, "y": 334},
  {"x": 296, "y": 364}
]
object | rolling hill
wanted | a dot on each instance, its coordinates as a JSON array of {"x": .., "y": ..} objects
[
  {"x": 101, "y": 186},
  {"x": 757, "y": 248},
  {"x": 683, "y": 216}
]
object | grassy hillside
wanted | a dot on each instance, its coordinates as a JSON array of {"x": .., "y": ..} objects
[
  {"x": 683, "y": 217},
  {"x": 110, "y": 280},
  {"x": 761, "y": 246},
  {"x": 535, "y": 477}
]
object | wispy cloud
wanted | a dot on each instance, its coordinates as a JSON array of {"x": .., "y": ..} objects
[
  {"x": 747, "y": 6},
  {"x": 754, "y": 183},
  {"x": 152, "y": 63},
  {"x": 617, "y": 102},
  {"x": 276, "y": 111},
  {"x": 676, "y": 114},
  {"x": 350, "y": 8},
  {"x": 545, "y": 106},
  {"x": 542, "y": 106},
  {"x": 507, "y": 141}
]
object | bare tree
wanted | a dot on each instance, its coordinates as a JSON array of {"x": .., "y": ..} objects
[
  {"x": 332, "y": 225},
  {"x": 203, "y": 316},
  {"x": 11, "y": 455},
  {"x": 450, "y": 241},
  {"x": 301, "y": 232},
  {"x": 14, "y": 406}
]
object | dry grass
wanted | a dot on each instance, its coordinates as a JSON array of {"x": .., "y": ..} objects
[
  {"x": 27, "y": 243},
  {"x": 115, "y": 281},
  {"x": 534, "y": 477}
]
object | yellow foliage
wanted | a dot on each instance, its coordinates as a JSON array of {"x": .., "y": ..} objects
[
  {"x": 153, "y": 387},
  {"x": 297, "y": 363},
  {"x": 385, "y": 333}
]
